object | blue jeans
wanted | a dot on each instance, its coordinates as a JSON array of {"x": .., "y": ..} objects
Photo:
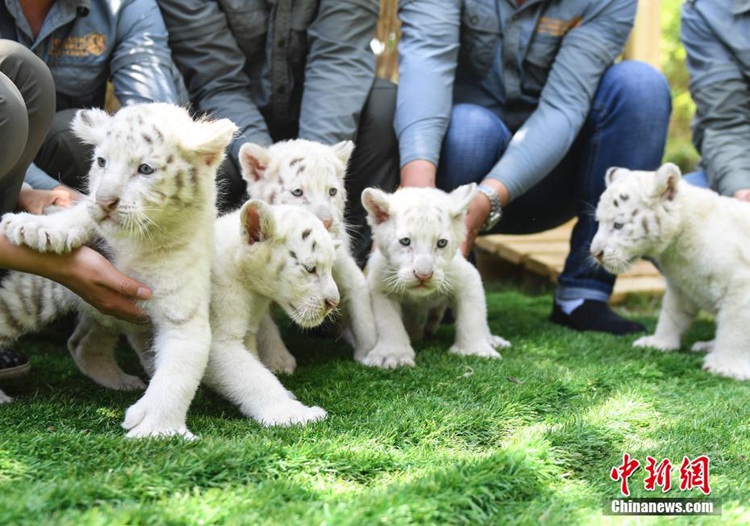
[
  {"x": 626, "y": 127},
  {"x": 697, "y": 178}
]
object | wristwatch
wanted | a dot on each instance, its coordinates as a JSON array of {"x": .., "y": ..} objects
[{"x": 496, "y": 212}]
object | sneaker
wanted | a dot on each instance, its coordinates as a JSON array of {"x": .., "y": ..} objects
[{"x": 13, "y": 364}]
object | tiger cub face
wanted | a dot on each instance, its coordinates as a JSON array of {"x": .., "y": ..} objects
[
  {"x": 419, "y": 232},
  {"x": 288, "y": 256},
  {"x": 301, "y": 173},
  {"x": 637, "y": 216},
  {"x": 152, "y": 165}
]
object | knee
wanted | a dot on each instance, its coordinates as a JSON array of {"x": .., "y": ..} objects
[
  {"x": 473, "y": 126},
  {"x": 639, "y": 87},
  {"x": 14, "y": 125},
  {"x": 30, "y": 75}
]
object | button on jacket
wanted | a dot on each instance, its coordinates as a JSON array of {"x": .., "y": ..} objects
[
  {"x": 536, "y": 65},
  {"x": 716, "y": 35}
]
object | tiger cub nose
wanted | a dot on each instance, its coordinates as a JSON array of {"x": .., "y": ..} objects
[{"x": 108, "y": 203}]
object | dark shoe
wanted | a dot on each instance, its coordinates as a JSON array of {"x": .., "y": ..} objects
[
  {"x": 13, "y": 364},
  {"x": 595, "y": 316}
]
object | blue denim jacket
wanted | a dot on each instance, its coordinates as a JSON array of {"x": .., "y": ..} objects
[
  {"x": 87, "y": 42},
  {"x": 716, "y": 35},
  {"x": 536, "y": 66},
  {"x": 277, "y": 68}
]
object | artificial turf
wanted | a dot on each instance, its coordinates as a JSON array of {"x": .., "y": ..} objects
[{"x": 528, "y": 439}]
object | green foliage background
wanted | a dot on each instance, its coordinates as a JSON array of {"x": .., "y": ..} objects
[{"x": 680, "y": 148}]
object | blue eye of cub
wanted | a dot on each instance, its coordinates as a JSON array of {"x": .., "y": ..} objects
[
  {"x": 101, "y": 162},
  {"x": 297, "y": 192},
  {"x": 617, "y": 226},
  {"x": 311, "y": 269},
  {"x": 442, "y": 243},
  {"x": 333, "y": 191},
  {"x": 145, "y": 169},
  {"x": 405, "y": 241}
]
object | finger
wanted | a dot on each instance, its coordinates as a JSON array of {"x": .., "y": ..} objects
[
  {"x": 124, "y": 309},
  {"x": 133, "y": 289}
]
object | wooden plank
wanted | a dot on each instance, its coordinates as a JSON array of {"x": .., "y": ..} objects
[
  {"x": 544, "y": 254},
  {"x": 645, "y": 39},
  {"x": 545, "y": 265}
]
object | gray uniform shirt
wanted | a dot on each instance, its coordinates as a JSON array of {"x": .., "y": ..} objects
[
  {"x": 536, "y": 65},
  {"x": 277, "y": 68},
  {"x": 87, "y": 42},
  {"x": 716, "y": 35}
]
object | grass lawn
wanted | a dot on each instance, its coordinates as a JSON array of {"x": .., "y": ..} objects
[{"x": 528, "y": 439}]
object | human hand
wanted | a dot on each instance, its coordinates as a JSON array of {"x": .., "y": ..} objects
[
  {"x": 476, "y": 215},
  {"x": 478, "y": 211},
  {"x": 92, "y": 277},
  {"x": 742, "y": 195},
  {"x": 35, "y": 201}
]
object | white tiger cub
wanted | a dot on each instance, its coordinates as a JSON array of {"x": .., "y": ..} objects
[
  {"x": 417, "y": 270},
  {"x": 311, "y": 175},
  {"x": 151, "y": 200},
  {"x": 266, "y": 253},
  {"x": 701, "y": 242}
]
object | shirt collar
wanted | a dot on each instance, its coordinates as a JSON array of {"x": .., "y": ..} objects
[{"x": 77, "y": 7}]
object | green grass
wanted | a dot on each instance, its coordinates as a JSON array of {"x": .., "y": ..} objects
[{"x": 528, "y": 439}]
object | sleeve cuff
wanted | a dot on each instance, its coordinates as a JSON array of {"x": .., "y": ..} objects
[{"x": 39, "y": 180}]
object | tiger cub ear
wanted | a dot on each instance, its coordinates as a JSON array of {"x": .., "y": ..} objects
[
  {"x": 257, "y": 222},
  {"x": 665, "y": 182},
  {"x": 254, "y": 159},
  {"x": 343, "y": 150},
  {"x": 209, "y": 139},
  {"x": 88, "y": 124},
  {"x": 462, "y": 197},
  {"x": 612, "y": 174},
  {"x": 377, "y": 204}
]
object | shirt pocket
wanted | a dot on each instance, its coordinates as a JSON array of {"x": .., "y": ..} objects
[
  {"x": 538, "y": 62},
  {"x": 82, "y": 79},
  {"x": 480, "y": 35}
]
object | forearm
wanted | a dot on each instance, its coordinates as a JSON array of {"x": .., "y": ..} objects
[
  {"x": 340, "y": 70},
  {"x": 428, "y": 56},
  {"x": 721, "y": 93},
  {"x": 721, "y": 134},
  {"x": 586, "y": 52},
  {"x": 86, "y": 273},
  {"x": 25, "y": 259},
  {"x": 141, "y": 67},
  {"x": 212, "y": 63},
  {"x": 539, "y": 146}
]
